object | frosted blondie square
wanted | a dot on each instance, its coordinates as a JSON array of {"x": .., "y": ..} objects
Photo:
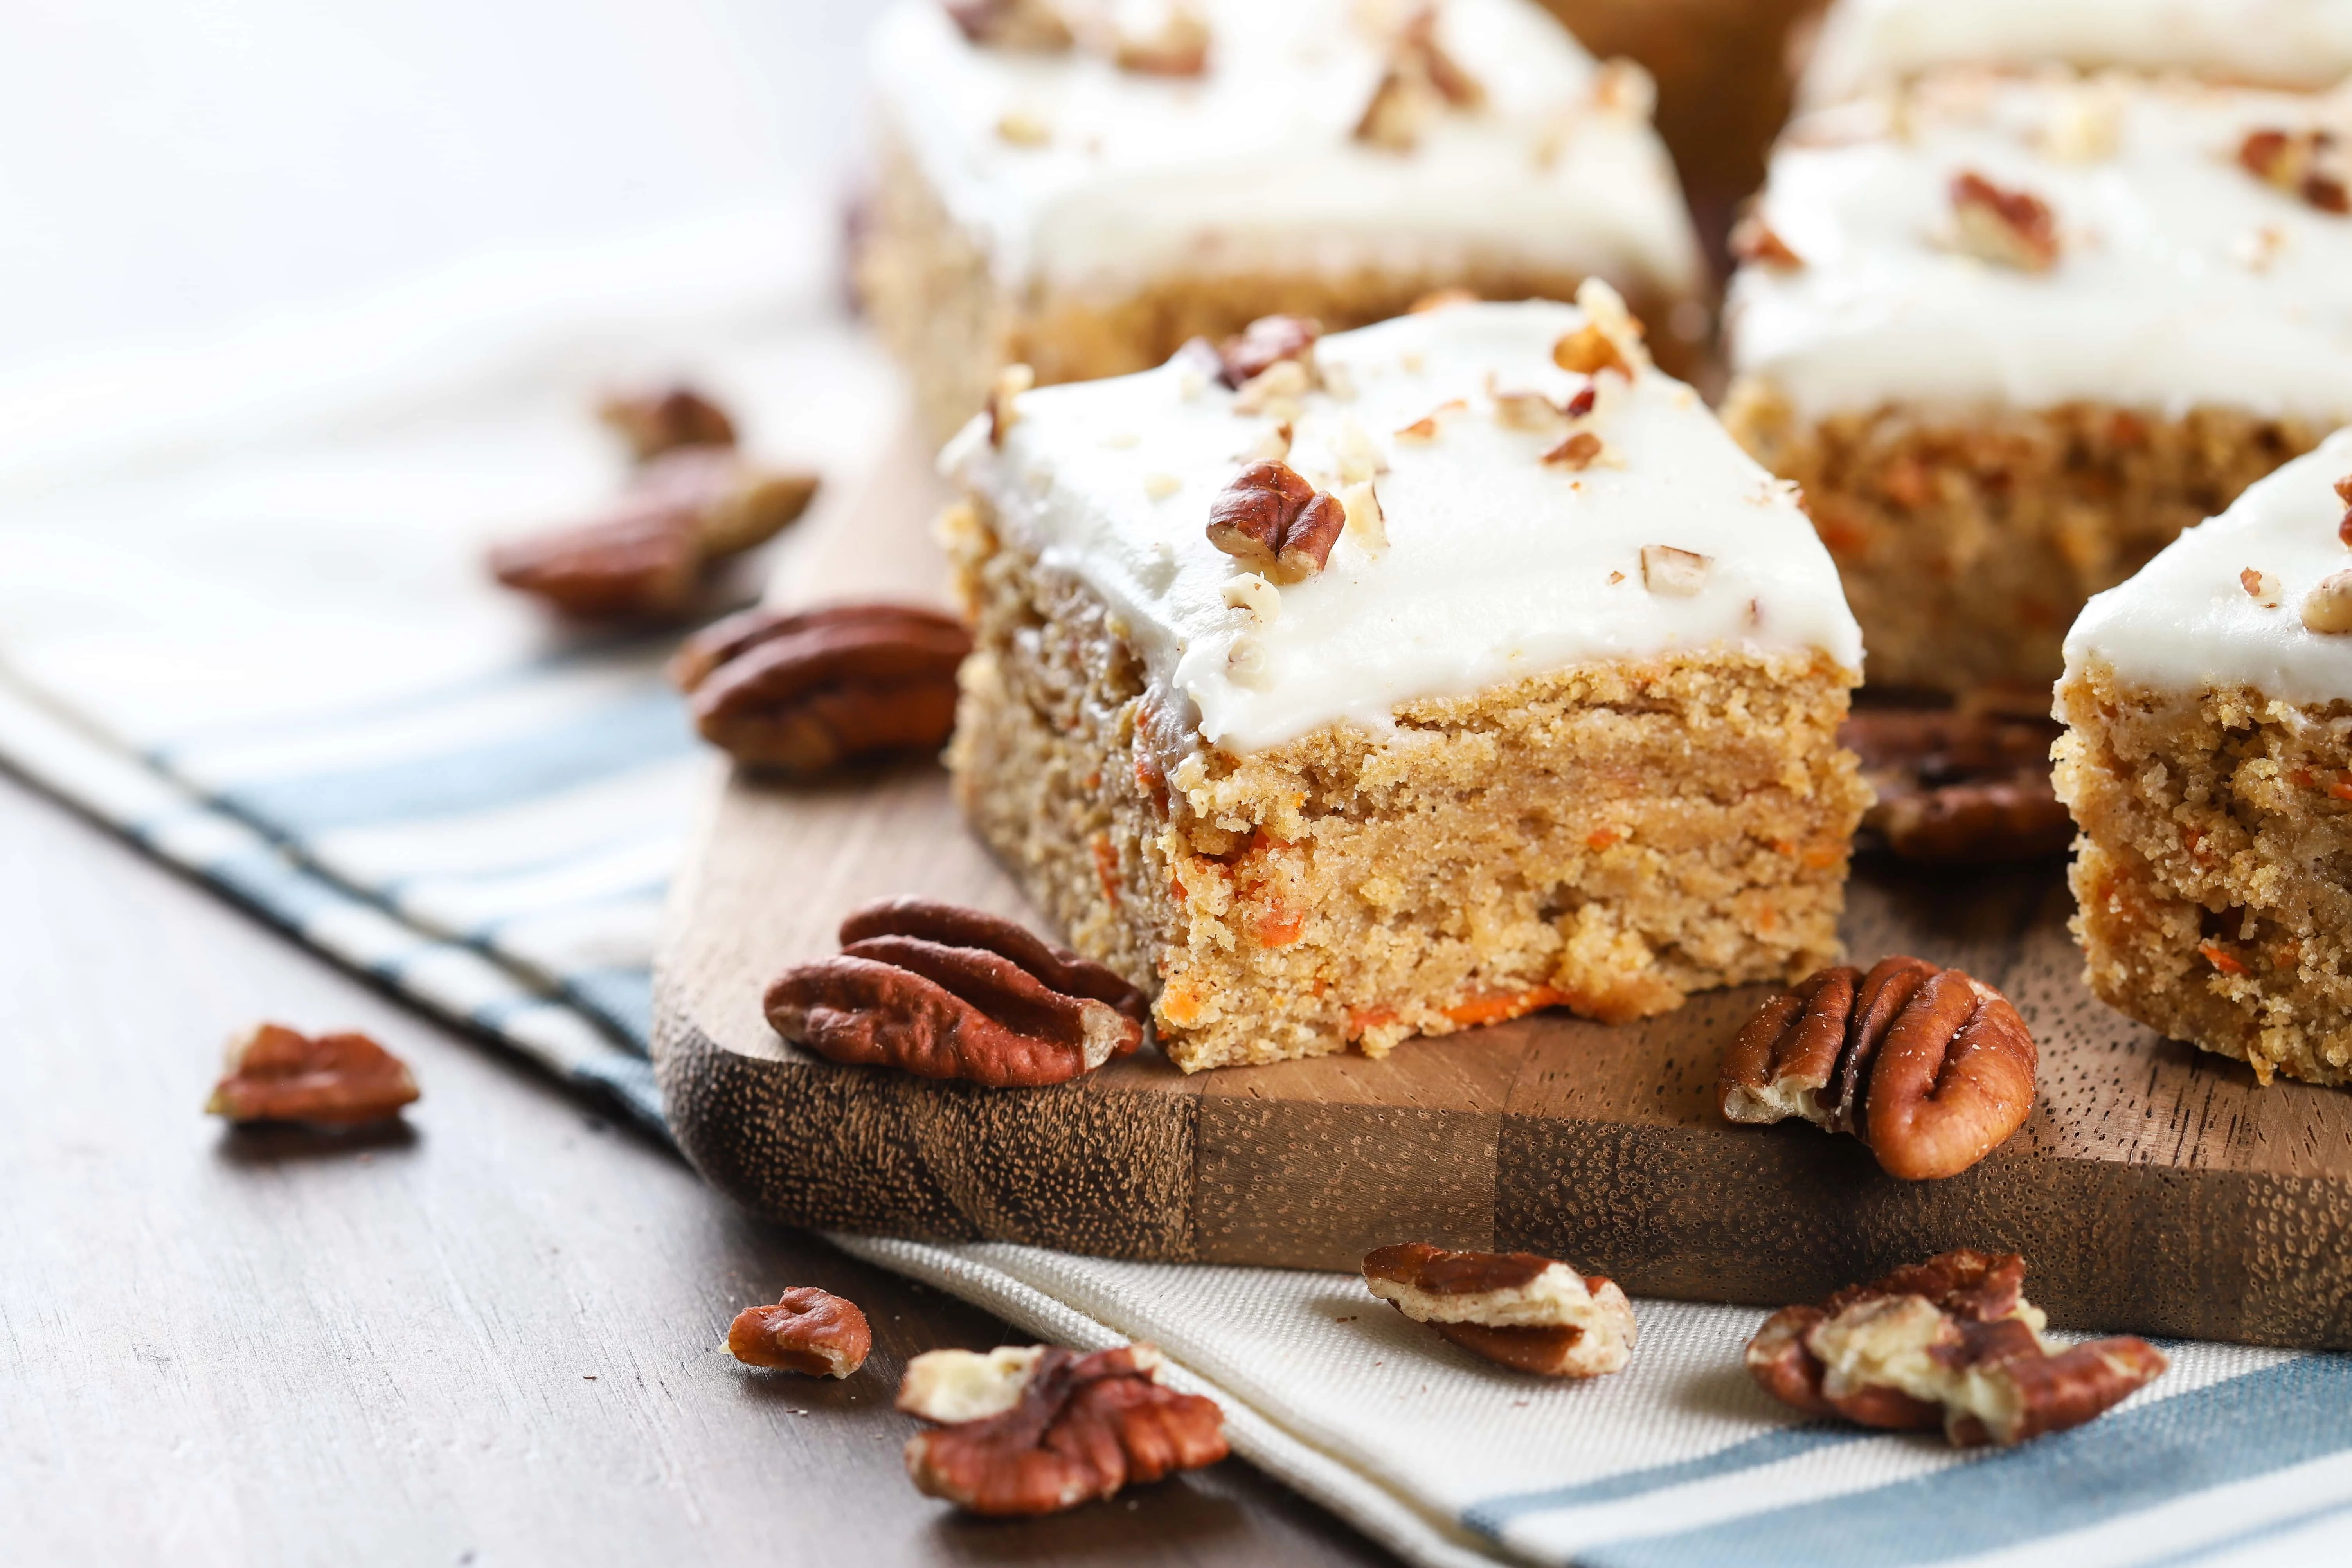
[
  {"x": 2208, "y": 760},
  {"x": 1082, "y": 187},
  {"x": 1444, "y": 670},
  {"x": 2012, "y": 334}
]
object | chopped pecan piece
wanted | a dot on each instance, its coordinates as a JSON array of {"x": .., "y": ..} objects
[
  {"x": 807, "y": 1329},
  {"x": 646, "y": 554},
  {"x": 1177, "y": 45},
  {"x": 1957, "y": 787},
  {"x": 1265, "y": 344},
  {"x": 804, "y": 692},
  {"x": 2344, "y": 494},
  {"x": 2008, "y": 228},
  {"x": 1004, "y": 400},
  {"x": 2263, "y": 588},
  {"x": 1276, "y": 522},
  {"x": 2311, "y": 164},
  {"x": 1754, "y": 240},
  {"x": 1421, "y": 81},
  {"x": 1576, "y": 453},
  {"x": 1950, "y": 1343},
  {"x": 944, "y": 992},
  {"x": 1677, "y": 574},
  {"x": 1931, "y": 1069},
  {"x": 1532, "y": 1313},
  {"x": 666, "y": 419},
  {"x": 2327, "y": 608},
  {"x": 1037, "y": 25},
  {"x": 1039, "y": 1430},
  {"x": 1589, "y": 350},
  {"x": 278, "y": 1074}
]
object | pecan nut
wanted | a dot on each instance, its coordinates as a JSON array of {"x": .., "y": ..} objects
[
  {"x": 1755, "y": 242},
  {"x": 1265, "y": 344},
  {"x": 278, "y": 1074},
  {"x": 1950, "y": 1343},
  {"x": 1032, "y": 24},
  {"x": 2344, "y": 494},
  {"x": 1421, "y": 81},
  {"x": 1037, "y": 1430},
  {"x": 1958, "y": 787},
  {"x": 665, "y": 419},
  {"x": 2006, "y": 227},
  {"x": 1931, "y": 1069},
  {"x": 804, "y": 692},
  {"x": 645, "y": 554},
  {"x": 943, "y": 991},
  {"x": 2313, "y": 165},
  {"x": 1274, "y": 522},
  {"x": 1535, "y": 1314},
  {"x": 807, "y": 1329}
]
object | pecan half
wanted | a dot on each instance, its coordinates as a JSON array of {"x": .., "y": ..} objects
[
  {"x": 807, "y": 1329},
  {"x": 1037, "y": 25},
  {"x": 2006, "y": 227},
  {"x": 2310, "y": 165},
  {"x": 1274, "y": 522},
  {"x": 278, "y": 1074},
  {"x": 804, "y": 692},
  {"x": 646, "y": 554},
  {"x": 943, "y": 991},
  {"x": 1533, "y": 1313},
  {"x": 1931, "y": 1069},
  {"x": 1038, "y": 1431},
  {"x": 1265, "y": 344},
  {"x": 1958, "y": 787},
  {"x": 1950, "y": 1343},
  {"x": 666, "y": 419}
]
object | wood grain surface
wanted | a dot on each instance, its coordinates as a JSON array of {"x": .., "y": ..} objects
[
  {"x": 491, "y": 1339},
  {"x": 2154, "y": 1189}
]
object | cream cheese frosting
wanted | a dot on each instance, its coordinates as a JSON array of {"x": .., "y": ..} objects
[
  {"x": 2191, "y": 621},
  {"x": 2279, "y": 43},
  {"x": 2182, "y": 280},
  {"x": 1494, "y": 566},
  {"x": 1118, "y": 177}
]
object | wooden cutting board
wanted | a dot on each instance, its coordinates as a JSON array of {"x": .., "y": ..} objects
[{"x": 2155, "y": 1189}]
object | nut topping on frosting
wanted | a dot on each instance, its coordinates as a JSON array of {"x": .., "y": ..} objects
[
  {"x": 1753, "y": 240},
  {"x": 2006, "y": 227},
  {"x": 2311, "y": 164},
  {"x": 1010, "y": 384},
  {"x": 1678, "y": 573},
  {"x": 1421, "y": 81},
  {"x": 1177, "y": 45},
  {"x": 1035, "y": 25},
  {"x": 2328, "y": 607},
  {"x": 1589, "y": 350},
  {"x": 1577, "y": 452},
  {"x": 1265, "y": 344},
  {"x": 2343, "y": 492},
  {"x": 2263, "y": 588},
  {"x": 1276, "y": 522}
]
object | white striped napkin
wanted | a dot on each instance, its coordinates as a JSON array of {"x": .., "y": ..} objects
[{"x": 273, "y": 661}]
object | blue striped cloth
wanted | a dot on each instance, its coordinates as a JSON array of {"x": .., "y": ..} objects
[{"x": 279, "y": 668}]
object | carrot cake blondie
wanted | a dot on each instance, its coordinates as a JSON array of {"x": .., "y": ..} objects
[
  {"x": 1864, "y": 44},
  {"x": 2012, "y": 333},
  {"x": 1081, "y": 186},
  {"x": 2208, "y": 760},
  {"x": 1421, "y": 677}
]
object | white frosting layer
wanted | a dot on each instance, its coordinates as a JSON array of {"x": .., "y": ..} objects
[
  {"x": 1253, "y": 164},
  {"x": 2186, "y": 621},
  {"x": 2182, "y": 278},
  {"x": 2281, "y": 43},
  {"x": 1496, "y": 566}
]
